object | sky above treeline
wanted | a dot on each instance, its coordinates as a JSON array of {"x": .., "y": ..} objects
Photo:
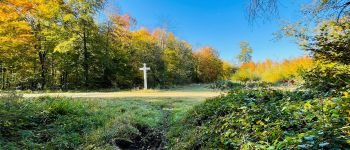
[{"x": 221, "y": 24}]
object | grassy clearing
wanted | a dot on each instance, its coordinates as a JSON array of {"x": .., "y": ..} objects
[
  {"x": 89, "y": 123},
  {"x": 178, "y": 88},
  {"x": 194, "y": 90}
]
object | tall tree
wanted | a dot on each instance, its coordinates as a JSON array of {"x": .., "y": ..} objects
[
  {"x": 330, "y": 48},
  {"x": 41, "y": 16},
  {"x": 209, "y": 65},
  {"x": 59, "y": 44},
  {"x": 15, "y": 41},
  {"x": 246, "y": 52},
  {"x": 81, "y": 23}
]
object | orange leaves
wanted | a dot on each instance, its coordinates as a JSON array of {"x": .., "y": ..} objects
[
  {"x": 8, "y": 11},
  {"x": 122, "y": 21},
  {"x": 24, "y": 5},
  {"x": 14, "y": 9},
  {"x": 15, "y": 32},
  {"x": 270, "y": 71},
  {"x": 209, "y": 64},
  {"x": 120, "y": 25},
  {"x": 206, "y": 52},
  {"x": 159, "y": 33}
]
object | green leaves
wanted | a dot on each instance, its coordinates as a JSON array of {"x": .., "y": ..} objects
[
  {"x": 246, "y": 52},
  {"x": 268, "y": 119},
  {"x": 64, "y": 123}
]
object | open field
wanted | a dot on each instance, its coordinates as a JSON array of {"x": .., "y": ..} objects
[
  {"x": 119, "y": 75},
  {"x": 134, "y": 119},
  {"x": 194, "y": 91}
]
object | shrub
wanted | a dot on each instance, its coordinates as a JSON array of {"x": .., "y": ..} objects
[
  {"x": 328, "y": 78},
  {"x": 264, "y": 119},
  {"x": 224, "y": 85},
  {"x": 330, "y": 48},
  {"x": 64, "y": 123}
]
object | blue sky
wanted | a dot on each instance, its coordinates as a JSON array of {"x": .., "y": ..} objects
[{"x": 221, "y": 24}]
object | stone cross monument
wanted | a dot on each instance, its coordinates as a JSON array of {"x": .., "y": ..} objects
[{"x": 144, "y": 68}]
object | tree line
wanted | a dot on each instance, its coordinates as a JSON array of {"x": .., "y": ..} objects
[
  {"x": 323, "y": 32},
  {"x": 60, "y": 44}
]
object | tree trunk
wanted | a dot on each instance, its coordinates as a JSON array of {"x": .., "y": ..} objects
[
  {"x": 33, "y": 82},
  {"x": 9, "y": 78},
  {"x": 42, "y": 58},
  {"x": 3, "y": 75},
  {"x": 53, "y": 71},
  {"x": 85, "y": 63},
  {"x": 41, "y": 54},
  {"x": 63, "y": 80}
]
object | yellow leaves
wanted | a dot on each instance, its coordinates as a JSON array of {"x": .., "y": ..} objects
[
  {"x": 345, "y": 95},
  {"x": 8, "y": 12},
  {"x": 307, "y": 106},
  {"x": 328, "y": 104},
  {"x": 65, "y": 46},
  {"x": 144, "y": 35},
  {"x": 171, "y": 37},
  {"x": 272, "y": 72},
  {"x": 67, "y": 17},
  {"x": 259, "y": 122},
  {"x": 46, "y": 9},
  {"x": 227, "y": 70},
  {"x": 347, "y": 131},
  {"x": 14, "y": 32}
]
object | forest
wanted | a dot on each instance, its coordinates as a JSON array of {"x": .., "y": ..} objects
[
  {"x": 60, "y": 45},
  {"x": 72, "y": 80}
]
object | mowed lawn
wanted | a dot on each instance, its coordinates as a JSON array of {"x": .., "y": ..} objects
[{"x": 136, "y": 119}]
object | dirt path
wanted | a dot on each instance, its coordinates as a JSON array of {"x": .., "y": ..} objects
[
  {"x": 164, "y": 129},
  {"x": 128, "y": 94}
]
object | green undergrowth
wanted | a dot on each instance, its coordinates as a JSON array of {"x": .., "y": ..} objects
[
  {"x": 64, "y": 123},
  {"x": 264, "y": 119},
  {"x": 67, "y": 123}
]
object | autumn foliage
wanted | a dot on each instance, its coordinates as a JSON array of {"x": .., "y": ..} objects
[
  {"x": 210, "y": 67},
  {"x": 273, "y": 72},
  {"x": 59, "y": 44}
]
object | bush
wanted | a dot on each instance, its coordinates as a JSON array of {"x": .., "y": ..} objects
[
  {"x": 224, "y": 85},
  {"x": 64, "y": 123},
  {"x": 265, "y": 119},
  {"x": 329, "y": 78},
  {"x": 330, "y": 48}
]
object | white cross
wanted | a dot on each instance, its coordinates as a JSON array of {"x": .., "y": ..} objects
[{"x": 145, "y": 75}]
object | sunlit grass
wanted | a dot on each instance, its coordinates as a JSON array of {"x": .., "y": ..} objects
[{"x": 85, "y": 122}]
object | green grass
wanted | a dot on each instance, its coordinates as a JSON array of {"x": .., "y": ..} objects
[
  {"x": 242, "y": 119},
  {"x": 92, "y": 123},
  {"x": 180, "y": 88},
  {"x": 66, "y": 123}
]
